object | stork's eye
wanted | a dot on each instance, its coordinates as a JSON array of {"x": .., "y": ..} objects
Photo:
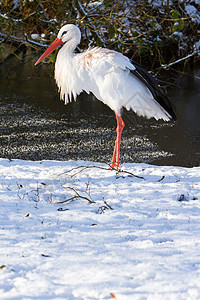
[{"x": 64, "y": 32}]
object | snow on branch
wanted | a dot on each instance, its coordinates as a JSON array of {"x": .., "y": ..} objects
[
  {"x": 166, "y": 66},
  {"x": 82, "y": 11},
  {"x": 22, "y": 41}
]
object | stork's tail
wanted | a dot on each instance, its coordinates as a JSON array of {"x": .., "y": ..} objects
[{"x": 158, "y": 94}]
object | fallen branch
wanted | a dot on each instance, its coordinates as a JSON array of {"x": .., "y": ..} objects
[
  {"x": 108, "y": 205},
  {"x": 103, "y": 208},
  {"x": 83, "y": 168},
  {"x": 78, "y": 195}
]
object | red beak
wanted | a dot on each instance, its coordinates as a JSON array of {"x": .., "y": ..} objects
[{"x": 57, "y": 42}]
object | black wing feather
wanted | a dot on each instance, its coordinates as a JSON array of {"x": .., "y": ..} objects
[{"x": 158, "y": 94}]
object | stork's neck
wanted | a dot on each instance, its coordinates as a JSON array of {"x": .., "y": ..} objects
[
  {"x": 69, "y": 47},
  {"x": 65, "y": 57}
]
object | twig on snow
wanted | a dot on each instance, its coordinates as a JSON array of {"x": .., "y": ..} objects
[
  {"x": 78, "y": 195},
  {"x": 83, "y": 168},
  {"x": 163, "y": 177},
  {"x": 103, "y": 208}
]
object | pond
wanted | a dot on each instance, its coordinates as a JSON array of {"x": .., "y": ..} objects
[{"x": 36, "y": 125}]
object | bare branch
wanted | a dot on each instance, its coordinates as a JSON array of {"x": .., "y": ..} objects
[
  {"x": 83, "y": 168},
  {"x": 78, "y": 195},
  {"x": 21, "y": 41},
  {"x": 180, "y": 60},
  {"x": 83, "y": 13}
]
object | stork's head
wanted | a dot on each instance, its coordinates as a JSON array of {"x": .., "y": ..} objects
[{"x": 69, "y": 34}]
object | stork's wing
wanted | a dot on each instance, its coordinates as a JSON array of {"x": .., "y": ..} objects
[{"x": 152, "y": 85}]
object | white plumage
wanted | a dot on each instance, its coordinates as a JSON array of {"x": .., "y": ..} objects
[{"x": 109, "y": 75}]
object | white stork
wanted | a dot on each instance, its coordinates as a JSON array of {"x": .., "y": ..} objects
[{"x": 112, "y": 77}]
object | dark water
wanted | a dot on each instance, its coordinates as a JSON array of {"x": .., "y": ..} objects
[{"x": 36, "y": 125}]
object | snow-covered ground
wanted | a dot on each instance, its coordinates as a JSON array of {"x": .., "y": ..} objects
[{"x": 121, "y": 237}]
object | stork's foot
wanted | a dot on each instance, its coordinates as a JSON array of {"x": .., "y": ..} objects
[{"x": 114, "y": 166}]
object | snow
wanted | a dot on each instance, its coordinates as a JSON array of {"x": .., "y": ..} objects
[
  {"x": 35, "y": 36},
  {"x": 197, "y": 45},
  {"x": 133, "y": 235},
  {"x": 193, "y": 12}
]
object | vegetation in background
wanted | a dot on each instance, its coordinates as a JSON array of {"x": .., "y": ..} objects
[{"x": 156, "y": 32}]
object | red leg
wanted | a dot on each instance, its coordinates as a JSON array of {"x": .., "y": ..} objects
[
  {"x": 116, "y": 152},
  {"x": 112, "y": 165}
]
